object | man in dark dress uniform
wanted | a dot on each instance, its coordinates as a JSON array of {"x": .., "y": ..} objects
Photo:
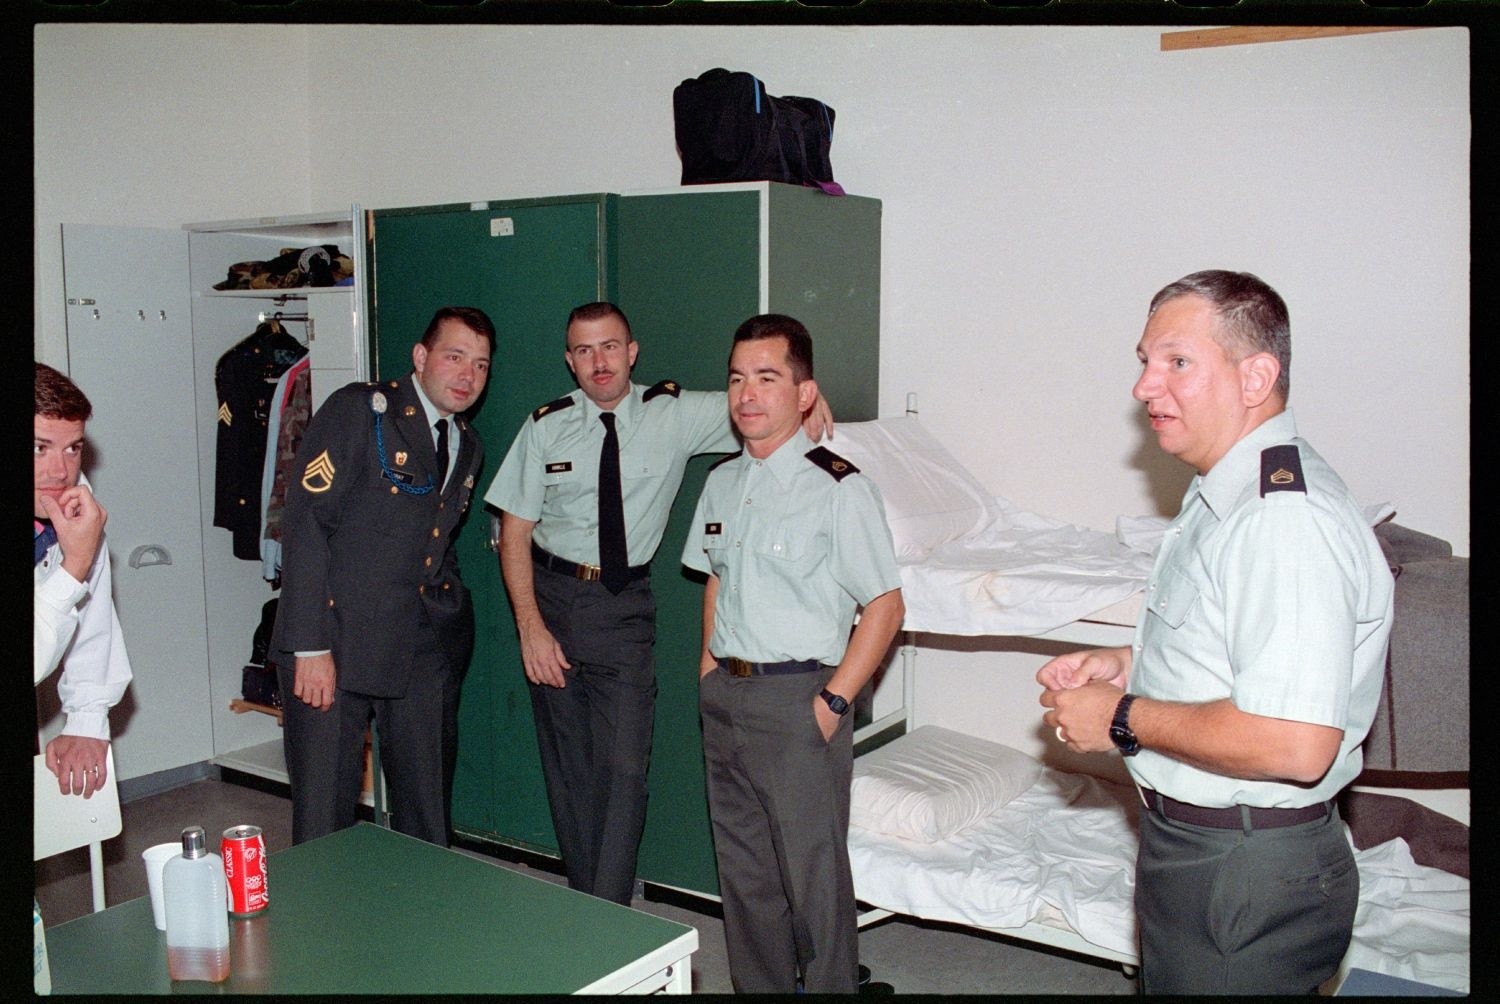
[{"x": 374, "y": 620}]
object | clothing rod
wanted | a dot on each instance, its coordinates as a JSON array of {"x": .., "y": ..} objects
[{"x": 267, "y": 315}]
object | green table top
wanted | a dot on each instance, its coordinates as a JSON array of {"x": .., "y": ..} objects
[{"x": 371, "y": 911}]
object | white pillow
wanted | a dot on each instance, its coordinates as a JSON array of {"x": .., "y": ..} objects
[
  {"x": 930, "y": 498},
  {"x": 933, "y": 782}
]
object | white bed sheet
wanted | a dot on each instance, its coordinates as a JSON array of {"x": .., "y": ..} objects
[
  {"x": 1023, "y": 574},
  {"x": 1066, "y": 843},
  {"x": 973, "y": 563},
  {"x": 1066, "y": 847}
]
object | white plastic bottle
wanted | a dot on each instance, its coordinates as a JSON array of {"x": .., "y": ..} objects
[
  {"x": 197, "y": 907},
  {"x": 40, "y": 970}
]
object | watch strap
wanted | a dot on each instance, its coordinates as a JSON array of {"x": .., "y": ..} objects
[{"x": 835, "y": 703}]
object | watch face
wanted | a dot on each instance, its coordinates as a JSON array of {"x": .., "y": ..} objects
[
  {"x": 1124, "y": 739},
  {"x": 835, "y": 703}
]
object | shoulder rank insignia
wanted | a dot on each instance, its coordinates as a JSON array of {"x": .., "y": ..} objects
[
  {"x": 831, "y": 462},
  {"x": 1281, "y": 470},
  {"x": 550, "y": 407},
  {"x": 725, "y": 460},
  {"x": 669, "y": 387},
  {"x": 224, "y": 415},
  {"x": 318, "y": 477}
]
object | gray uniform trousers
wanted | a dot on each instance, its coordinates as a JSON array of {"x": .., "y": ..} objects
[
  {"x": 594, "y": 735},
  {"x": 1267, "y": 911},
  {"x": 778, "y": 796},
  {"x": 325, "y": 749}
]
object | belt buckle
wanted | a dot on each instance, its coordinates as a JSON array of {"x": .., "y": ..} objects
[
  {"x": 588, "y": 573},
  {"x": 738, "y": 667}
]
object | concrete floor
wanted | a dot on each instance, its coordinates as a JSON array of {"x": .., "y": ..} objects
[{"x": 913, "y": 956}]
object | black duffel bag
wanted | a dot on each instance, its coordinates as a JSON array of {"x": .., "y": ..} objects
[{"x": 730, "y": 129}]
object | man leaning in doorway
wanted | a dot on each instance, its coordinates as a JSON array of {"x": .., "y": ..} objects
[
  {"x": 584, "y": 494},
  {"x": 1256, "y": 666}
]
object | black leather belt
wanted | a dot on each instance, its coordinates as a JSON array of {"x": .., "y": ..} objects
[
  {"x": 739, "y": 667},
  {"x": 589, "y": 573},
  {"x": 1232, "y": 818}
]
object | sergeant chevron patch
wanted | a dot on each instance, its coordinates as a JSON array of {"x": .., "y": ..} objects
[{"x": 318, "y": 477}]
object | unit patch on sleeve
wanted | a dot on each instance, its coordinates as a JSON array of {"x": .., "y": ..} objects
[{"x": 1281, "y": 470}]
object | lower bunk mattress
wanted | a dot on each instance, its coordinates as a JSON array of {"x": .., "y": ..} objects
[{"x": 952, "y": 828}]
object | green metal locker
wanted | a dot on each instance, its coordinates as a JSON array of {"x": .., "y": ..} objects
[{"x": 686, "y": 267}]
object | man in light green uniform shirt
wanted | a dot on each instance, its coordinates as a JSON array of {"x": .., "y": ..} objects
[
  {"x": 794, "y": 539},
  {"x": 587, "y": 650},
  {"x": 1256, "y": 667}
]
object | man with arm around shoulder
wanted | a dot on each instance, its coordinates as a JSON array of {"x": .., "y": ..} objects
[
  {"x": 577, "y": 568},
  {"x": 1256, "y": 666}
]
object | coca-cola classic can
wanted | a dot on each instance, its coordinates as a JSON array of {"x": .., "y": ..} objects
[{"x": 244, "y": 851}]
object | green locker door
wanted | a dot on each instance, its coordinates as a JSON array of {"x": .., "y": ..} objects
[
  {"x": 693, "y": 266},
  {"x": 687, "y": 269},
  {"x": 526, "y": 264}
]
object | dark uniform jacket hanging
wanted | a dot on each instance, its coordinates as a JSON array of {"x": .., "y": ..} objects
[{"x": 245, "y": 378}]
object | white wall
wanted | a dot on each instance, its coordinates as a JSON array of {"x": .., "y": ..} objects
[{"x": 1039, "y": 184}]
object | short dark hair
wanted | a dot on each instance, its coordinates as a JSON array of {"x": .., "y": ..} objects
[
  {"x": 1252, "y": 316},
  {"x": 472, "y": 318},
  {"x": 597, "y": 311},
  {"x": 59, "y": 397},
  {"x": 799, "y": 350}
]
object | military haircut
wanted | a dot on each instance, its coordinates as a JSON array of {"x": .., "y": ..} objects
[
  {"x": 58, "y": 397},
  {"x": 799, "y": 350},
  {"x": 1252, "y": 316},
  {"x": 472, "y": 318},
  {"x": 597, "y": 311}
]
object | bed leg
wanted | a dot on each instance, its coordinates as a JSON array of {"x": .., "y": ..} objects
[{"x": 1129, "y": 970}]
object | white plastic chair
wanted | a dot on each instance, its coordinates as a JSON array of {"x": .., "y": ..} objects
[{"x": 63, "y": 822}]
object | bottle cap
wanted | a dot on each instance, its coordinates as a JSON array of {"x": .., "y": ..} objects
[{"x": 194, "y": 842}]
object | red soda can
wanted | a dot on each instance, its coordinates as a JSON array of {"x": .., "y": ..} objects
[{"x": 244, "y": 852}]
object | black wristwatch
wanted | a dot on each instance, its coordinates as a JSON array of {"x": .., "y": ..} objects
[
  {"x": 835, "y": 703},
  {"x": 1119, "y": 728}
]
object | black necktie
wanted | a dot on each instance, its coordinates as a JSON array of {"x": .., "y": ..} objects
[
  {"x": 614, "y": 562},
  {"x": 442, "y": 452}
]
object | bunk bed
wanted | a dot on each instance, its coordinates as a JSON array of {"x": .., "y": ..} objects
[{"x": 954, "y": 828}]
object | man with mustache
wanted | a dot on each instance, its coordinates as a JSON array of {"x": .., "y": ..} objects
[{"x": 575, "y": 553}]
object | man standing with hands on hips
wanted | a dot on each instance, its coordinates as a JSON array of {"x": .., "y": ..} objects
[
  {"x": 374, "y": 621},
  {"x": 1256, "y": 666},
  {"x": 793, "y": 539},
  {"x": 585, "y": 493}
]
